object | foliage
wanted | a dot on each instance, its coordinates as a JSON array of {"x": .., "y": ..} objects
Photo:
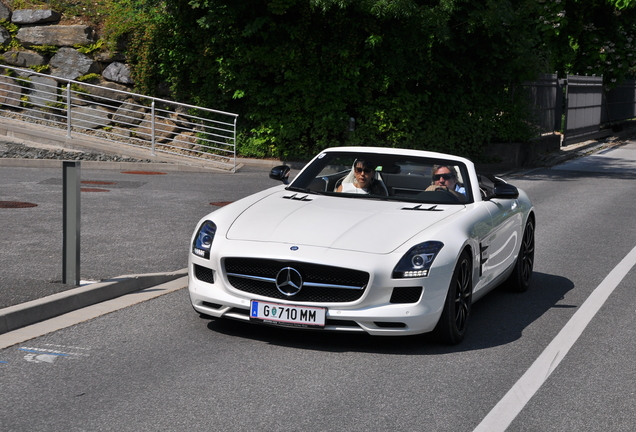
[
  {"x": 439, "y": 75},
  {"x": 13, "y": 44},
  {"x": 49, "y": 50},
  {"x": 89, "y": 77},
  {"x": 431, "y": 77},
  {"x": 91, "y": 48},
  {"x": 11, "y": 28},
  {"x": 40, "y": 68},
  {"x": 592, "y": 37}
]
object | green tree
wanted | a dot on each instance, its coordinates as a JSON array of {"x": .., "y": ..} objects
[
  {"x": 590, "y": 37},
  {"x": 439, "y": 75}
]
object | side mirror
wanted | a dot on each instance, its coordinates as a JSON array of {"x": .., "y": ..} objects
[
  {"x": 505, "y": 191},
  {"x": 281, "y": 173}
]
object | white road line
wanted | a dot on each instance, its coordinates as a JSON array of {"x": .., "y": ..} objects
[{"x": 518, "y": 396}]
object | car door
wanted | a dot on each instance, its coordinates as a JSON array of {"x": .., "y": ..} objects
[{"x": 498, "y": 249}]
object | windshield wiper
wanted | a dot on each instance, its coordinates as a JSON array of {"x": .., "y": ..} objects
[{"x": 299, "y": 189}]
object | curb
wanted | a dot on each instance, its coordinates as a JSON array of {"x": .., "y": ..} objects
[
  {"x": 118, "y": 166},
  {"x": 24, "y": 314}
]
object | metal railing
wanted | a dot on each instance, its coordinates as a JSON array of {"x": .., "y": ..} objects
[{"x": 119, "y": 116}]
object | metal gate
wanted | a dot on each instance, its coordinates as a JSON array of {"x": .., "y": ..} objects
[
  {"x": 583, "y": 108},
  {"x": 620, "y": 103}
]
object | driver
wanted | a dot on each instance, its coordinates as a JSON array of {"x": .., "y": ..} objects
[{"x": 445, "y": 178}]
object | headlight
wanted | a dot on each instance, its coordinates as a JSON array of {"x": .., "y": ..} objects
[
  {"x": 418, "y": 260},
  {"x": 203, "y": 240}
]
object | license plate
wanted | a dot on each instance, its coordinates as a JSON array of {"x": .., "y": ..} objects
[{"x": 288, "y": 315}]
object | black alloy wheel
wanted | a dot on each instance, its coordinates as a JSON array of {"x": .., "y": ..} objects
[
  {"x": 453, "y": 323},
  {"x": 521, "y": 276}
]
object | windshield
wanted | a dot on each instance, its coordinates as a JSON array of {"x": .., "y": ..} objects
[{"x": 386, "y": 176}]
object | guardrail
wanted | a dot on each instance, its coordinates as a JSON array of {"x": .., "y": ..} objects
[{"x": 119, "y": 116}]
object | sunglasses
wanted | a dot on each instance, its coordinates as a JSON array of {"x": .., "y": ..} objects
[
  {"x": 366, "y": 170},
  {"x": 436, "y": 177}
]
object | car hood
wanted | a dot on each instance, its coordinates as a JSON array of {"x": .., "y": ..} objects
[{"x": 363, "y": 225}]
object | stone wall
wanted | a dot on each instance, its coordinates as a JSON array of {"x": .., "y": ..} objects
[{"x": 42, "y": 28}]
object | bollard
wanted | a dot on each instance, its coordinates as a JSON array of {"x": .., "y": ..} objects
[{"x": 71, "y": 221}]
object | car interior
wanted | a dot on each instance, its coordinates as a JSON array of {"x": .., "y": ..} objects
[{"x": 399, "y": 178}]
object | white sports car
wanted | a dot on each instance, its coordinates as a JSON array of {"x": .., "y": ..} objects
[{"x": 377, "y": 240}]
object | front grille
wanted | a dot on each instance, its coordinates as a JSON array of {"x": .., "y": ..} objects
[
  {"x": 258, "y": 276},
  {"x": 406, "y": 294},
  {"x": 204, "y": 274}
]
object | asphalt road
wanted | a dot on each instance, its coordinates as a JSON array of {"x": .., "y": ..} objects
[
  {"x": 130, "y": 223},
  {"x": 158, "y": 366}
]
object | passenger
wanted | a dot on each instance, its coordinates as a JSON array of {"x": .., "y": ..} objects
[
  {"x": 361, "y": 180},
  {"x": 445, "y": 178}
]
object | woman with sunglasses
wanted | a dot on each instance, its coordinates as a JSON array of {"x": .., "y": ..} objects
[
  {"x": 361, "y": 180},
  {"x": 445, "y": 178}
]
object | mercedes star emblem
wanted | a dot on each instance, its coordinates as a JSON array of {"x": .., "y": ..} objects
[{"x": 289, "y": 281}]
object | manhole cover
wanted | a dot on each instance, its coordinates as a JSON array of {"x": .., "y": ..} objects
[
  {"x": 16, "y": 204},
  {"x": 143, "y": 172},
  {"x": 97, "y": 182},
  {"x": 93, "y": 190},
  {"x": 220, "y": 203}
]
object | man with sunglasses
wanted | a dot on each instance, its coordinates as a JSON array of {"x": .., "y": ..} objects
[
  {"x": 361, "y": 180},
  {"x": 445, "y": 178}
]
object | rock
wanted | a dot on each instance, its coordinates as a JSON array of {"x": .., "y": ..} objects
[
  {"x": 5, "y": 12},
  {"x": 69, "y": 63},
  {"x": 164, "y": 129},
  {"x": 35, "y": 16},
  {"x": 10, "y": 92},
  {"x": 118, "y": 72},
  {"x": 186, "y": 140},
  {"x": 129, "y": 113},
  {"x": 50, "y": 115},
  {"x": 108, "y": 92},
  {"x": 44, "y": 92},
  {"x": 24, "y": 58},
  {"x": 5, "y": 36},
  {"x": 109, "y": 57},
  {"x": 57, "y": 35},
  {"x": 90, "y": 117},
  {"x": 16, "y": 150}
]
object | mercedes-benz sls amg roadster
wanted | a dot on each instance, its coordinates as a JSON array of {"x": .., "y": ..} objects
[{"x": 376, "y": 240}]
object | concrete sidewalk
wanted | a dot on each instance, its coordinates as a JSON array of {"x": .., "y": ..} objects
[{"x": 134, "y": 225}]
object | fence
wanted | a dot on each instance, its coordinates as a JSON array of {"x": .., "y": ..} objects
[
  {"x": 580, "y": 106},
  {"x": 118, "y": 116}
]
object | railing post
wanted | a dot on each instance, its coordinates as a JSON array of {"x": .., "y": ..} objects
[
  {"x": 68, "y": 109},
  {"x": 234, "y": 169},
  {"x": 152, "y": 128},
  {"x": 71, "y": 222}
]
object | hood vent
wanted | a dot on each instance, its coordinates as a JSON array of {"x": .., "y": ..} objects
[
  {"x": 420, "y": 208},
  {"x": 295, "y": 197}
]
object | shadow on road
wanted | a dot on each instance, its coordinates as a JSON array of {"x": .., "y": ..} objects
[{"x": 497, "y": 319}]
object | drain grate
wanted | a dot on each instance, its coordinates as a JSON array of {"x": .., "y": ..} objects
[{"x": 16, "y": 204}]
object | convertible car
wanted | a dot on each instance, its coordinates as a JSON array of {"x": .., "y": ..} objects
[{"x": 376, "y": 240}]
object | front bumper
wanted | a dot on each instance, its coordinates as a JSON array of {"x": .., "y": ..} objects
[{"x": 376, "y": 312}]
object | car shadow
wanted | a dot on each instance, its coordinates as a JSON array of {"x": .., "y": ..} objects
[{"x": 497, "y": 319}]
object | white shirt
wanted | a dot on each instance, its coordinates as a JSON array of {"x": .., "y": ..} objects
[{"x": 350, "y": 188}]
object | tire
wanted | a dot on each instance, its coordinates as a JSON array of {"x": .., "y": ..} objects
[
  {"x": 453, "y": 323},
  {"x": 521, "y": 276}
]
